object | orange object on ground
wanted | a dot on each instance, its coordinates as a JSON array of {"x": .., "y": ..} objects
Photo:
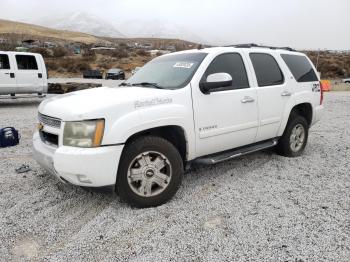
[{"x": 326, "y": 85}]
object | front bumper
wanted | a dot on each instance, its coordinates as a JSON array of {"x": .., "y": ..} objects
[{"x": 90, "y": 167}]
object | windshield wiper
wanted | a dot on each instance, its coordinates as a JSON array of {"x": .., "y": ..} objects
[
  {"x": 125, "y": 84},
  {"x": 148, "y": 84}
]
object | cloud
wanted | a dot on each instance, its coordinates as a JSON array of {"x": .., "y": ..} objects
[{"x": 298, "y": 23}]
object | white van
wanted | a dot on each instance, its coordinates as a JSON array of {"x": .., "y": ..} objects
[{"x": 22, "y": 73}]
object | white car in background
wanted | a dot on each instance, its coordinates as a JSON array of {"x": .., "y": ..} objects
[
  {"x": 346, "y": 80},
  {"x": 22, "y": 73}
]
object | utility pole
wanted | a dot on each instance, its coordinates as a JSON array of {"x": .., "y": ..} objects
[{"x": 318, "y": 57}]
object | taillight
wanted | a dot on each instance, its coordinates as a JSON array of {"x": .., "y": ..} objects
[{"x": 321, "y": 90}]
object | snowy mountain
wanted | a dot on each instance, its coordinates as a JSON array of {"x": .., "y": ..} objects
[
  {"x": 158, "y": 29},
  {"x": 90, "y": 24},
  {"x": 81, "y": 22}
]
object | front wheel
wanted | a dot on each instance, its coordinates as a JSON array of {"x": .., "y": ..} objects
[
  {"x": 150, "y": 172},
  {"x": 294, "y": 138}
]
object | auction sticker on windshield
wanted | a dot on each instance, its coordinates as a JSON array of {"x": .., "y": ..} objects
[{"x": 183, "y": 65}]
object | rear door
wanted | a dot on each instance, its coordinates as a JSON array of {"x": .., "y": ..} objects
[
  {"x": 273, "y": 93},
  {"x": 7, "y": 75},
  {"x": 29, "y": 75}
]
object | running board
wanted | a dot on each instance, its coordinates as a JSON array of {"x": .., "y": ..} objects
[{"x": 227, "y": 155}]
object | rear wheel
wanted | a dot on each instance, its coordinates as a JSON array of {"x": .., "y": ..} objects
[
  {"x": 294, "y": 138},
  {"x": 150, "y": 172}
]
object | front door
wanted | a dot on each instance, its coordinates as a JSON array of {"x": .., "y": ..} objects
[
  {"x": 228, "y": 117},
  {"x": 29, "y": 77},
  {"x": 7, "y": 76}
]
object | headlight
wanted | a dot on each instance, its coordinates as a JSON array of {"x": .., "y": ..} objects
[{"x": 83, "y": 134}]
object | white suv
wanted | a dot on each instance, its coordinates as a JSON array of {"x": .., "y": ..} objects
[{"x": 206, "y": 105}]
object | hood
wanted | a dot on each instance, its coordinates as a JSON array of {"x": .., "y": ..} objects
[{"x": 93, "y": 103}]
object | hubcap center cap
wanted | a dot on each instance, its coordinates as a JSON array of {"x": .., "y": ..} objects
[{"x": 149, "y": 173}]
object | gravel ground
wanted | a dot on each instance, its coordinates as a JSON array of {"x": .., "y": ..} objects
[{"x": 260, "y": 207}]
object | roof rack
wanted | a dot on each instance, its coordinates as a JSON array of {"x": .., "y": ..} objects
[{"x": 251, "y": 45}]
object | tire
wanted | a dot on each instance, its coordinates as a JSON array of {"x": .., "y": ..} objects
[
  {"x": 292, "y": 144},
  {"x": 134, "y": 188}
]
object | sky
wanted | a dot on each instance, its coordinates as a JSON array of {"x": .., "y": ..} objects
[{"x": 302, "y": 24}]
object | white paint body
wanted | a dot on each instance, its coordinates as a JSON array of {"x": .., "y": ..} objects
[
  {"x": 17, "y": 81},
  {"x": 129, "y": 110}
]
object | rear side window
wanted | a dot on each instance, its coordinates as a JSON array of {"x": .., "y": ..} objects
[
  {"x": 26, "y": 62},
  {"x": 267, "y": 71},
  {"x": 300, "y": 68},
  {"x": 232, "y": 64},
  {"x": 4, "y": 62}
]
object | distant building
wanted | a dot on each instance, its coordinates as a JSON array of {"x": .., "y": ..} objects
[
  {"x": 30, "y": 43},
  {"x": 50, "y": 45},
  {"x": 103, "y": 48},
  {"x": 132, "y": 45},
  {"x": 145, "y": 46},
  {"x": 75, "y": 47},
  {"x": 77, "y": 50}
]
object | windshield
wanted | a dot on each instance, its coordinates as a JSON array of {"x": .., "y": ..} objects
[{"x": 168, "y": 72}]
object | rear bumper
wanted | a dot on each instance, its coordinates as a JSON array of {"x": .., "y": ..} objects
[
  {"x": 317, "y": 114},
  {"x": 90, "y": 167}
]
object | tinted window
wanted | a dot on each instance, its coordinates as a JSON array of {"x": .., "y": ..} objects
[
  {"x": 4, "y": 62},
  {"x": 300, "y": 68},
  {"x": 26, "y": 62},
  {"x": 267, "y": 71},
  {"x": 231, "y": 64}
]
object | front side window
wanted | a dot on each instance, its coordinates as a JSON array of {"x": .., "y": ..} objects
[
  {"x": 4, "y": 62},
  {"x": 168, "y": 72},
  {"x": 267, "y": 71},
  {"x": 26, "y": 62},
  {"x": 232, "y": 64},
  {"x": 300, "y": 68}
]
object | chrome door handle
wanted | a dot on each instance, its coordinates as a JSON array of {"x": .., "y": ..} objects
[
  {"x": 247, "y": 99},
  {"x": 286, "y": 93}
]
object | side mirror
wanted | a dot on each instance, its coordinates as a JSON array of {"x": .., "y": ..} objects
[{"x": 215, "y": 81}]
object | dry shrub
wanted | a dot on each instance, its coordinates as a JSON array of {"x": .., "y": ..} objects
[
  {"x": 59, "y": 52},
  {"x": 331, "y": 65},
  {"x": 43, "y": 51},
  {"x": 142, "y": 52},
  {"x": 7, "y": 47},
  {"x": 89, "y": 55},
  {"x": 71, "y": 65},
  {"x": 51, "y": 65},
  {"x": 120, "y": 53}
]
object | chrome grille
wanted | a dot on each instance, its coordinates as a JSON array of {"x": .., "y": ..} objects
[{"x": 49, "y": 121}]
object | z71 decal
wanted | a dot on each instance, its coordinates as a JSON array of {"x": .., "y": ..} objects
[{"x": 316, "y": 87}]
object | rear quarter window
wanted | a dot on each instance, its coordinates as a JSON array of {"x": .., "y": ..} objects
[
  {"x": 300, "y": 68},
  {"x": 267, "y": 70},
  {"x": 26, "y": 62}
]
